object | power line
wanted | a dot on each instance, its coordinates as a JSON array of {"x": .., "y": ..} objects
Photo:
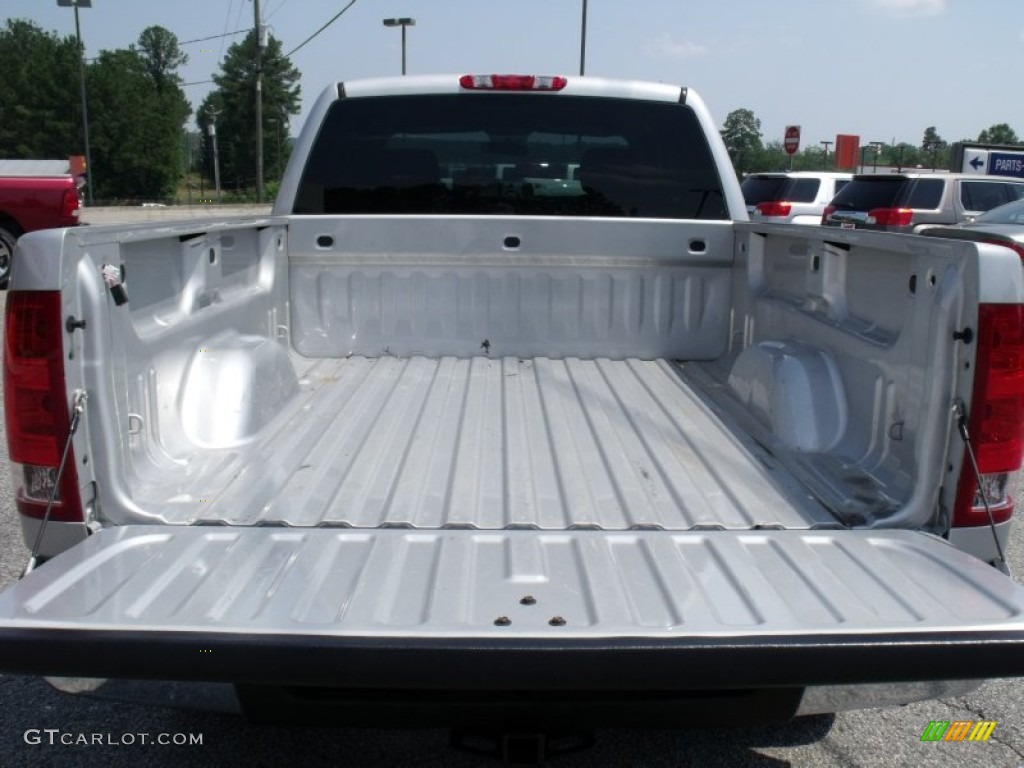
[
  {"x": 241, "y": 7},
  {"x": 280, "y": 5},
  {"x": 325, "y": 26},
  {"x": 213, "y": 37},
  {"x": 227, "y": 20}
]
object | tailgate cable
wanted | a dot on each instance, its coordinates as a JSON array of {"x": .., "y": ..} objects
[
  {"x": 960, "y": 412},
  {"x": 77, "y": 408}
]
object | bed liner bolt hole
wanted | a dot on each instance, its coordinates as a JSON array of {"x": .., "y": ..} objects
[
  {"x": 502, "y": 621},
  {"x": 528, "y": 600}
]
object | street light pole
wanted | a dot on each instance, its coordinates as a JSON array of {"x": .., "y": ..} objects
[
  {"x": 76, "y": 4},
  {"x": 878, "y": 149},
  {"x": 583, "y": 40},
  {"x": 403, "y": 22}
]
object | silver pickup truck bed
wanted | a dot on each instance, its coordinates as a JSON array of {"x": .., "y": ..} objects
[
  {"x": 494, "y": 444},
  {"x": 449, "y": 468},
  {"x": 383, "y": 531}
]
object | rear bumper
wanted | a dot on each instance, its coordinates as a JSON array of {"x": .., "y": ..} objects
[{"x": 525, "y": 665}]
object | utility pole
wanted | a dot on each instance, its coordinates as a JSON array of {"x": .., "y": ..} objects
[
  {"x": 188, "y": 168},
  {"x": 259, "y": 102},
  {"x": 212, "y": 131}
]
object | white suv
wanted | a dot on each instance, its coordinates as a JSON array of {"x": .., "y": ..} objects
[{"x": 797, "y": 197}]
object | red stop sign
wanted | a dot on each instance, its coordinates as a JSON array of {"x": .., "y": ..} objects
[{"x": 792, "y": 140}]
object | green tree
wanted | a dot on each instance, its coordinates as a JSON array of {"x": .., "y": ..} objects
[
  {"x": 934, "y": 148},
  {"x": 232, "y": 105},
  {"x": 162, "y": 56},
  {"x": 771, "y": 157},
  {"x": 900, "y": 155},
  {"x": 122, "y": 122},
  {"x": 932, "y": 140},
  {"x": 741, "y": 133},
  {"x": 136, "y": 117},
  {"x": 1001, "y": 133},
  {"x": 40, "y": 104}
]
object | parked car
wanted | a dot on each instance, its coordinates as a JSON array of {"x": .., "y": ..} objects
[
  {"x": 796, "y": 198},
  {"x": 1003, "y": 225},
  {"x": 910, "y": 202}
]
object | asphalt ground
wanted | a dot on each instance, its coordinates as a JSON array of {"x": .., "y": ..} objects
[{"x": 36, "y": 719}]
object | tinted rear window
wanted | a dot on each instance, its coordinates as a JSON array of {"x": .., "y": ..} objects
[
  {"x": 924, "y": 194},
  {"x": 986, "y": 195},
  {"x": 763, "y": 189},
  {"x": 865, "y": 194},
  {"x": 802, "y": 190},
  {"x": 531, "y": 154}
]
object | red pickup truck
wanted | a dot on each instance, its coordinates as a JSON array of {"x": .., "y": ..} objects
[{"x": 28, "y": 203}]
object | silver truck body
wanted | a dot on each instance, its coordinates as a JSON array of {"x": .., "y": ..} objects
[{"x": 500, "y": 453}]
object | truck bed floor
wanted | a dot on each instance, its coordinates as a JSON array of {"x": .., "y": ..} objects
[{"x": 495, "y": 444}]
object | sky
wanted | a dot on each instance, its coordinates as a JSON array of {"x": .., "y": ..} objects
[{"x": 881, "y": 69}]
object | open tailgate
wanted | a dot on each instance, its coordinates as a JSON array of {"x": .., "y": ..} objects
[{"x": 513, "y": 609}]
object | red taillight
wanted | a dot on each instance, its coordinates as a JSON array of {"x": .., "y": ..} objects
[
  {"x": 36, "y": 405},
  {"x": 70, "y": 203},
  {"x": 890, "y": 217},
  {"x": 829, "y": 210},
  {"x": 996, "y": 424},
  {"x": 774, "y": 209},
  {"x": 513, "y": 82}
]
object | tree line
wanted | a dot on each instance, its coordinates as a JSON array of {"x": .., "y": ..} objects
[
  {"x": 138, "y": 109},
  {"x": 742, "y": 135}
]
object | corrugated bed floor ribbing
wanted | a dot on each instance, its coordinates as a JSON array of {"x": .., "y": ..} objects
[{"x": 492, "y": 444}]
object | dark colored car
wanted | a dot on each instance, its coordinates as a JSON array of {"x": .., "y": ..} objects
[{"x": 910, "y": 202}]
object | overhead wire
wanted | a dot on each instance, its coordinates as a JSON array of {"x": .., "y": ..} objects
[
  {"x": 277, "y": 8},
  {"x": 213, "y": 37},
  {"x": 227, "y": 20},
  {"x": 325, "y": 26}
]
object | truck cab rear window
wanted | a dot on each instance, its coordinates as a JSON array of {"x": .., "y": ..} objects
[{"x": 519, "y": 154}]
